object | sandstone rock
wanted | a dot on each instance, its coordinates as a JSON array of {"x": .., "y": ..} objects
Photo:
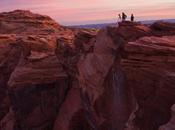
[
  {"x": 171, "y": 124},
  {"x": 149, "y": 67},
  {"x": 58, "y": 78},
  {"x": 35, "y": 85},
  {"x": 103, "y": 93},
  {"x": 83, "y": 40},
  {"x": 163, "y": 26},
  {"x": 68, "y": 117},
  {"x": 37, "y": 59},
  {"x": 93, "y": 70},
  {"x": 8, "y": 122},
  {"x": 9, "y": 57},
  {"x": 26, "y": 22},
  {"x": 131, "y": 30}
]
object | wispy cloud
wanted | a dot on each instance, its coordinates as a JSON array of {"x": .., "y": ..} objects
[{"x": 91, "y": 11}]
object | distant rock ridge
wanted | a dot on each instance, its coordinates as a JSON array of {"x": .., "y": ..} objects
[
  {"x": 58, "y": 78},
  {"x": 26, "y": 22}
]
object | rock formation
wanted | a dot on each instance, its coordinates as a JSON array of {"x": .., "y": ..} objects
[
  {"x": 149, "y": 69},
  {"x": 170, "y": 125},
  {"x": 58, "y": 78},
  {"x": 24, "y": 22}
]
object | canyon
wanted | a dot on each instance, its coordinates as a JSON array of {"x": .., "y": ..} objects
[{"x": 62, "y": 78}]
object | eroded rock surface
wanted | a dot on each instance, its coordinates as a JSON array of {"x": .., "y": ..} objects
[
  {"x": 19, "y": 21},
  {"x": 171, "y": 124},
  {"x": 149, "y": 67},
  {"x": 58, "y": 78}
]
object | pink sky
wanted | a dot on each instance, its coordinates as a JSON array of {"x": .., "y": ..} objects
[{"x": 72, "y": 12}]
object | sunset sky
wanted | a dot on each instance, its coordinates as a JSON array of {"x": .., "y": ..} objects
[{"x": 75, "y": 12}]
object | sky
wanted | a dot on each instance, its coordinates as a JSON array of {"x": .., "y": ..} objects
[{"x": 78, "y": 12}]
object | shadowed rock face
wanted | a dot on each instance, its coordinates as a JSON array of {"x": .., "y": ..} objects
[
  {"x": 37, "y": 84},
  {"x": 81, "y": 79},
  {"x": 170, "y": 125},
  {"x": 9, "y": 57},
  {"x": 141, "y": 70},
  {"x": 149, "y": 67}
]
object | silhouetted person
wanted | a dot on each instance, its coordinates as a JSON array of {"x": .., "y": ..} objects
[
  {"x": 124, "y": 16},
  {"x": 119, "y": 17},
  {"x": 132, "y": 17}
]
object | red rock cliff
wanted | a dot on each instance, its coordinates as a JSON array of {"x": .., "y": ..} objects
[{"x": 57, "y": 78}]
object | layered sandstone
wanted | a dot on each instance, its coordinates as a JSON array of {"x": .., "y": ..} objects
[
  {"x": 58, "y": 78},
  {"x": 170, "y": 125}
]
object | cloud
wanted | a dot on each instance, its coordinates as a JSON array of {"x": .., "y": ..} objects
[{"x": 86, "y": 11}]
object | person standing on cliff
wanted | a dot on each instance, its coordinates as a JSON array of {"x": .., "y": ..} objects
[
  {"x": 132, "y": 18},
  {"x": 124, "y": 16},
  {"x": 119, "y": 17}
]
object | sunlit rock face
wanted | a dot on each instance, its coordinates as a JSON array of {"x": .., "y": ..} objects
[
  {"x": 25, "y": 22},
  {"x": 9, "y": 57},
  {"x": 58, "y": 78}
]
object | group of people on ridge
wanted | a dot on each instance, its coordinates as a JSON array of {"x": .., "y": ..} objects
[{"x": 124, "y": 16}]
